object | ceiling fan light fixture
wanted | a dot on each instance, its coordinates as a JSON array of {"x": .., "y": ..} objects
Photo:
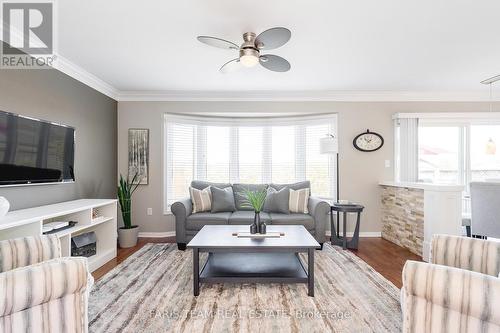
[
  {"x": 249, "y": 57},
  {"x": 250, "y": 51},
  {"x": 249, "y": 60}
]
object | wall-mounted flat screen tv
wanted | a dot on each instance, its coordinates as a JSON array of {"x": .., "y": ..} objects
[{"x": 34, "y": 151}]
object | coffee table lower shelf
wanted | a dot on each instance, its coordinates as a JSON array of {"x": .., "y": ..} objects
[{"x": 261, "y": 267}]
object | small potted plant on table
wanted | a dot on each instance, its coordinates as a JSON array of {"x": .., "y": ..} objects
[
  {"x": 127, "y": 235},
  {"x": 255, "y": 200}
]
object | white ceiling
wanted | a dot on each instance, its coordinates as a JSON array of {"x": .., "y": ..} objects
[{"x": 356, "y": 45}]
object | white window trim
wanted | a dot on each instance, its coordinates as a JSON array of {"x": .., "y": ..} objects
[
  {"x": 266, "y": 122},
  {"x": 449, "y": 116}
]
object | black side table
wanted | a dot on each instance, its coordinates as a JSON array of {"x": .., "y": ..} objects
[{"x": 336, "y": 239}]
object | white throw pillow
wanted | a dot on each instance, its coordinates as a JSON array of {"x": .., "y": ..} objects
[
  {"x": 201, "y": 199},
  {"x": 298, "y": 201}
]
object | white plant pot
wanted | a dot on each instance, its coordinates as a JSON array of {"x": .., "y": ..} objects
[
  {"x": 4, "y": 206},
  {"x": 128, "y": 237}
]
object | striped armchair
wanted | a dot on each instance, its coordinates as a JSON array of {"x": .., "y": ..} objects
[
  {"x": 39, "y": 290},
  {"x": 459, "y": 291}
]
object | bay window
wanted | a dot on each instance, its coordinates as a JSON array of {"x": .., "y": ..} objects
[
  {"x": 226, "y": 150},
  {"x": 283, "y": 154},
  {"x": 217, "y": 156},
  {"x": 250, "y": 148}
]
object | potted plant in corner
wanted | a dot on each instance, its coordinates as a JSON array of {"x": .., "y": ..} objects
[
  {"x": 127, "y": 235},
  {"x": 255, "y": 200}
]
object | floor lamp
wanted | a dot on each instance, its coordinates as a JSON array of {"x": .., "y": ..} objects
[{"x": 330, "y": 145}]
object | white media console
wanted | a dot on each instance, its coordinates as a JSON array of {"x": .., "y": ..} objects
[{"x": 98, "y": 215}]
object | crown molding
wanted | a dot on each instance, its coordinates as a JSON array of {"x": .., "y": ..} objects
[
  {"x": 315, "y": 96},
  {"x": 78, "y": 73},
  {"x": 69, "y": 68}
]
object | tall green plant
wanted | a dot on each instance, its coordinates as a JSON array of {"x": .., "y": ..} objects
[
  {"x": 125, "y": 191},
  {"x": 254, "y": 199}
]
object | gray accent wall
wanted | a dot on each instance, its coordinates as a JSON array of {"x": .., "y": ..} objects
[
  {"x": 360, "y": 172},
  {"x": 51, "y": 95}
]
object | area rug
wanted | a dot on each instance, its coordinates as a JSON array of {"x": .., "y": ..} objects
[{"x": 152, "y": 291}]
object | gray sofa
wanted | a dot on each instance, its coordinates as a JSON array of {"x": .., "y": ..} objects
[{"x": 188, "y": 224}]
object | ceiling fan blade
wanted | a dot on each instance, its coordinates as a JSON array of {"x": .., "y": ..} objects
[
  {"x": 218, "y": 42},
  {"x": 274, "y": 63},
  {"x": 273, "y": 38},
  {"x": 230, "y": 66}
]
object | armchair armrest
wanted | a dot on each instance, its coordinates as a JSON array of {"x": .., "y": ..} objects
[
  {"x": 319, "y": 209},
  {"x": 181, "y": 210},
  {"x": 29, "y": 286},
  {"x": 472, "y": 254},
  {"x": 20, "y": 252},
  {"x": 436, "y": 296}
]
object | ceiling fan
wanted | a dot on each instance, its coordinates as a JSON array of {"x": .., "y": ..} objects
[{"x": 249, "y": 51}]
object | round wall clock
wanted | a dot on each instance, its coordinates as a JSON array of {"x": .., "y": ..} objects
[{"x": 368, "y": 141}]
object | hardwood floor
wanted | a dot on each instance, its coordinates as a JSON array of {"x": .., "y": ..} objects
[{"x": 385, "y": 257}]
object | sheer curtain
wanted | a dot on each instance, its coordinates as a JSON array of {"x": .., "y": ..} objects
[{"x": 247, "y": 150}]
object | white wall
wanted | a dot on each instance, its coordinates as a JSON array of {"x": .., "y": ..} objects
[{"x": 359, "y": 172}]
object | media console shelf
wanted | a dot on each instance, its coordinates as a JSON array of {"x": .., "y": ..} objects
[{"x": 28, "y": 222}]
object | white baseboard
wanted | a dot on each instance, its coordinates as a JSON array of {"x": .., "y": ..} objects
[
  {"x": 328, "y": 233},
  {"x": 156, "y": 234},
  {"x": 361, "y": 234}
]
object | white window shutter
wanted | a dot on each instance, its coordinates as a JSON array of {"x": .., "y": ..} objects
[{"x": 280, "y": 150}]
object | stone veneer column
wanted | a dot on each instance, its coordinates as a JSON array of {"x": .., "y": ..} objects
[{"x": 403, "y": 217}]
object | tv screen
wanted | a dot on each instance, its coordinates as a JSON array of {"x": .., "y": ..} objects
[{"x": 35, "y": 151}]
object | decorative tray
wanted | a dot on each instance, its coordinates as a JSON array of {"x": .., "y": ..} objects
[{"x": 259, "y": 236}]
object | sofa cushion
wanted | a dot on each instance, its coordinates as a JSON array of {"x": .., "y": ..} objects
[
  {"x": 201, "y": 184},
  {"x": 292, "y": 219},
  {"x": 222, "y": 199},
  {"x": 198, "y": 220},
  {"x": 277, "y": 201},
  {"x": 239, "y": 196},
  {"x": 246, "y": 217},
  {"x": 294, "y": 186}
]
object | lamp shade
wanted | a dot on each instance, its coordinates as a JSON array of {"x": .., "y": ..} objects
[{"x": 328, "y": 145}]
